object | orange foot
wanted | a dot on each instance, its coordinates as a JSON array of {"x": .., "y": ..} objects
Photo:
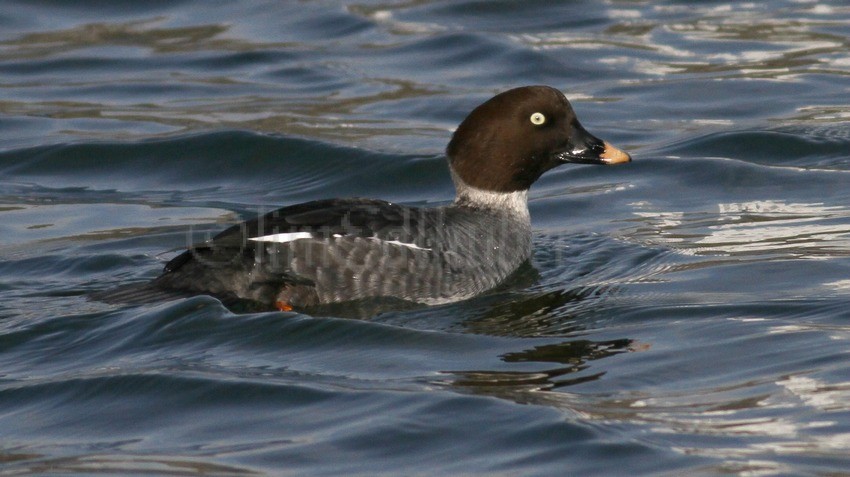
[{"x": 283, "y": 306}]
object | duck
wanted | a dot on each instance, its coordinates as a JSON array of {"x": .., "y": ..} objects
[{"x": 340, "y": 250}]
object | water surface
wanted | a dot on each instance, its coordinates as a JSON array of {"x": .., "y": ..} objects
[{"x": 686, "y": 314}]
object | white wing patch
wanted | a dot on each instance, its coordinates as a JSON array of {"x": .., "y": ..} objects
[
  {"x": 282, "y": 238},
  {"x": 401, "y": 244},
  {"x": 292, "y": 236}
]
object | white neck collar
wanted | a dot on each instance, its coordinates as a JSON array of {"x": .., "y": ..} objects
[{"x": 515, "y": 202}]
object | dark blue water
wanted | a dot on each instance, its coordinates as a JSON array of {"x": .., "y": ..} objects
[{"x": 686, "y": 314}]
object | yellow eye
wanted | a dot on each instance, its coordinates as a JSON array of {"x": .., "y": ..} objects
[{"x": 537, "y": 119}]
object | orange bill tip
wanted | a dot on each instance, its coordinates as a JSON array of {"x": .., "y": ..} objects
[{"x": 611, "y": 155}]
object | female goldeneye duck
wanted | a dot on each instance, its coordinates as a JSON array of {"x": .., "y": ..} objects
[{"x": 338, "y": 250}]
